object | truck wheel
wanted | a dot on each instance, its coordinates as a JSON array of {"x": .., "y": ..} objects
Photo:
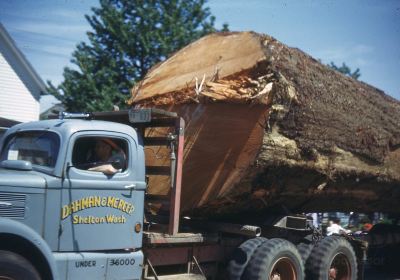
[
  {"x": 276, "y": 259},
  {"x": 241, "y": 256},
  {"x": 304, "y": 250},
  {"x": 16, "y": 267},
  {"x": 334, "y": 259}
]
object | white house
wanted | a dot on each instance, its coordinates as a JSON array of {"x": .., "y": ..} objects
[{"x": 20, "y": 85}]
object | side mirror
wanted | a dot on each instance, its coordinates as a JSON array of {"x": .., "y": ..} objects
[{"x": 17, "y": 165}]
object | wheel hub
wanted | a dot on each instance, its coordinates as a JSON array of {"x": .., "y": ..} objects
[
  {"x": 283, "y": 269},
  {"x": 340, "y": 268}
]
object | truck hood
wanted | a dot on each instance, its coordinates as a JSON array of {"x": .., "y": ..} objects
[{"x": 14, "y": 178}]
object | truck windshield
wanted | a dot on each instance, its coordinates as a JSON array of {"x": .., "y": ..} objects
[{"x": 38, "y": 147}]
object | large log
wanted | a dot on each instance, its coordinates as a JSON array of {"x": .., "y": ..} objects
[{"x": 271, "y": 128}]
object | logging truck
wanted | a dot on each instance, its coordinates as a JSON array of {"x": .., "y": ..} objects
[{"x": 62, "y": 219}]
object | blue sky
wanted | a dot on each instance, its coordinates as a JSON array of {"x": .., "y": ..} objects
[{"x": 362, "y": 33}]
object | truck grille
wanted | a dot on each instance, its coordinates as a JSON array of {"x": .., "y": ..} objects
[{"x": 12, "y": 205}]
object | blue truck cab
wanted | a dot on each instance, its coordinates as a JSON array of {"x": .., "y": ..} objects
[{"x": 60, "y": 219}]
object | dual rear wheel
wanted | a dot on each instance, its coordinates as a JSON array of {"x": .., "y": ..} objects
[{"x": 333, "y": 258}]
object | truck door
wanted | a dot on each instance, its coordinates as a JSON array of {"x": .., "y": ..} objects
[{"x": 100, "y": 211}]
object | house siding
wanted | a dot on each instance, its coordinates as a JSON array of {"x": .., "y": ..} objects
[
  {"x": 19, "y": 88},
  {"x": 16, "y": 100}
]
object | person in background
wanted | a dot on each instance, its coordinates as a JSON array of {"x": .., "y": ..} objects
[
  {"x": 367, "y": 227},
  {"x": 336, "y": 228},
  {"x": 315, "y": 219},
  {"x": 106, "y": 151}
]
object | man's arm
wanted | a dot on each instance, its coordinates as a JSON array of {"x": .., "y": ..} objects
[{"x": 105, "y": 168}]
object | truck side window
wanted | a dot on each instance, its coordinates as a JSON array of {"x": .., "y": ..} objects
[{"x": 91, "y": 153}]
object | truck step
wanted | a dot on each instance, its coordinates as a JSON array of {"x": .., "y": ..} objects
[{"x": 184, "y": 276}]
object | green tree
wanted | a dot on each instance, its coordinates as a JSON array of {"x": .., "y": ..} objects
[
  {"x": 344, "y": 69},
  {"x": 128, "y": 37}
]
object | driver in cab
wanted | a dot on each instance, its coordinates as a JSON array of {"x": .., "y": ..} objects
[{"x": 107, "y": 153}]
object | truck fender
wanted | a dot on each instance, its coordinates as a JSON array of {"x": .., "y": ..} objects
[{"x": 22, "y": 231}]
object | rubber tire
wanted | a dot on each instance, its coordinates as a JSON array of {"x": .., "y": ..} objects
[
  {"x": 319, "y": 262},
  {"x": 242, "y": 255},
  {"x": 267, "y": 254},
  {"x": 304, "y": 250},
  {"x": 16, "y": 267}
]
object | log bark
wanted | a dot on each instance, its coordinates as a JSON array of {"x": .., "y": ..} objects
[{"x": 272, "y": 129}]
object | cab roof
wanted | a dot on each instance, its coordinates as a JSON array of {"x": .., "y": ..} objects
[{"x": 70, "y": 126}]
